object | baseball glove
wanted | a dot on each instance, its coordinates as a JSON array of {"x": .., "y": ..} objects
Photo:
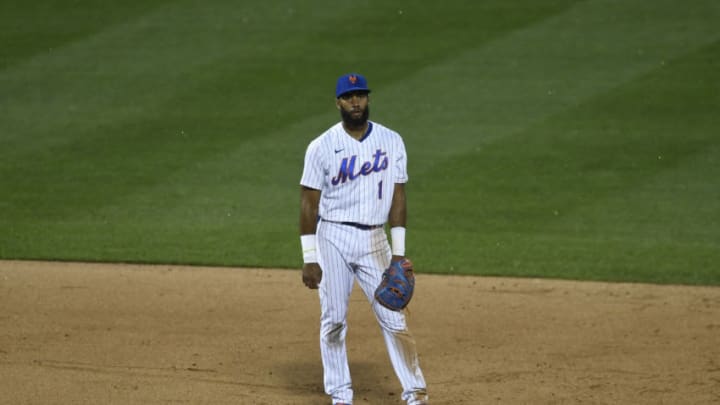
[{"x": 397, "y": 286}]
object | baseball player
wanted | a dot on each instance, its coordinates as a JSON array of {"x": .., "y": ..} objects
[{"x": 352, "y": 184}]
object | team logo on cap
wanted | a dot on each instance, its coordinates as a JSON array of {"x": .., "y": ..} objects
[{"x": 352, "y": 79}]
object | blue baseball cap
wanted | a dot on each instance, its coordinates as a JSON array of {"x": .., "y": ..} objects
[{"x": 350, "y": 82}]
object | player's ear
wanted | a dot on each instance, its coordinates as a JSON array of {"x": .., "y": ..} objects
[{"x": 337, "y": 103}]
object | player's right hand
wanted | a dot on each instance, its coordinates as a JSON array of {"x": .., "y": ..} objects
[{"x": 311, "y": 275}]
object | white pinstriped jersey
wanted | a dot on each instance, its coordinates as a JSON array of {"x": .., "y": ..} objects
[{"x": 356, "y": 177}]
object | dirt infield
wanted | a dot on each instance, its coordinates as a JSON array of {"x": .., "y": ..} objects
[{"x": 127, "y": 334}]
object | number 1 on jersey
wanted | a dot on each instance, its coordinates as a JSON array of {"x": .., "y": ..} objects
[{"x": 380, "y": 190}]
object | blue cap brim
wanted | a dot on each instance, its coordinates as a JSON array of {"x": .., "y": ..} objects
[{"x": 350, "y": 90}]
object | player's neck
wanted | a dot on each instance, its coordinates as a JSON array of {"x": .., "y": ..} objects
[{"x": 356, "y": 131}]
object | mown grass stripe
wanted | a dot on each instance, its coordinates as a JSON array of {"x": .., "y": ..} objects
[
  {"x": 499, "y": 88},
  {"x": 624, "y": 186}
]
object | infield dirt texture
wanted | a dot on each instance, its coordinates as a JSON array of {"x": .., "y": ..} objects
[{"x": 130, "y": 334}]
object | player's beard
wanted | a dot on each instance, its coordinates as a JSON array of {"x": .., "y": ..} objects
[{"x": 351, "y": 122}]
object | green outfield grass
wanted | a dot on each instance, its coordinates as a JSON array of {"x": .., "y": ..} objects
[{"x": 567, "y": 139}]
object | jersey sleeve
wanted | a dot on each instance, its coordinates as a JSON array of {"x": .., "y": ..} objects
[
  {"x": 313, "y": 172},
  {"x": 401, "y": 175}
]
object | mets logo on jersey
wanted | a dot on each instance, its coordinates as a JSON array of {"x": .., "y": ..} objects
[{"x": 349, "y": 172}]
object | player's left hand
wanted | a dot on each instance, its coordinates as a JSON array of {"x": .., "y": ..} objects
[
  {"x": 397, "y": 286},
  {"x": 311, "y": 275}
]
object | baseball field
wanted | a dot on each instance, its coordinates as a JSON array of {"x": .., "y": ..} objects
[{"x": 563, "y": 202}]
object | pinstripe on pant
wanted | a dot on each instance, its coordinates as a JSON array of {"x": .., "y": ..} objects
[{"x": 347, "y": 254}]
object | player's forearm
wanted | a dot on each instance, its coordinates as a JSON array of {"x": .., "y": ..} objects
[
  {"x": 398, "y": 208},
  {"x": 307, "y": 225},
  {"x": 397, "y": 220},
  {"x": 309, "y": 203}
]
